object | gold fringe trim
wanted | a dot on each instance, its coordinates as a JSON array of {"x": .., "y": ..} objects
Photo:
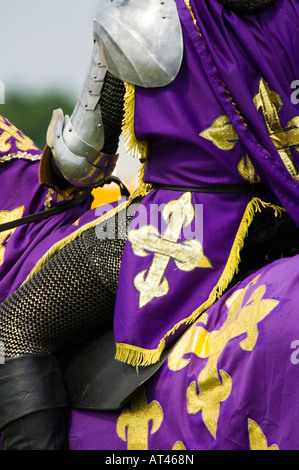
[
  {"x": 138, "y": 149},
  {"x": 136, "y": 356}
]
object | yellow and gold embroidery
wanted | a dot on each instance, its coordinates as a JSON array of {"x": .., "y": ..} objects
[
  {"x": 137, "y": 356},
  {"x": 284, "y": 139},
  {"x": 187, "y": 255},
  {"x": 138, "y": 149},
  {"x": 221, "y": 133},
  {"x": 133, "y": 424},
  {"x": 134, "y": 147},
  {"x": 8, "y": 130},
  {"x": 247, "y": 170},
  {"x": 257, "y": 438},
  {"x": 59, "y": 197},
  {"x": 197, "y": 340},
  {"x": 8, "y": 216}
]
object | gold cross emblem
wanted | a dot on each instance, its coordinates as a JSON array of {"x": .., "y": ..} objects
[
  {"x": 187, "y": 255},
  {"x": 284, "y": 139}
]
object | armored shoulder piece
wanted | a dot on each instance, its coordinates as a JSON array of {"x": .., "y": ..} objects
[{"x": 141, "y": 40}]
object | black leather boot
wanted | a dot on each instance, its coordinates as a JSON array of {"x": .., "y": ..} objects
[{"x": 34, "y": 413}]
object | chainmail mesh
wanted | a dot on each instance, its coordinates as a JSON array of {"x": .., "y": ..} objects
[
  {"x": 112, "y": 109},
  {"x": 71, "y": 296},
  {"x": 246, "y": 6}
]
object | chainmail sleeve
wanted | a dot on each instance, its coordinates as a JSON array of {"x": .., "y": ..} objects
[
  {"x": 112, "y": 107},
  {"x": 71, "y": 297}
]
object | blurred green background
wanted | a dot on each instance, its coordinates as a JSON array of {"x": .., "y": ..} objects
[{"x": 32, "y": 113}]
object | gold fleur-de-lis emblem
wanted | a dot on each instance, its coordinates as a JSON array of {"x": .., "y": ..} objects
[
  {"x": 257, "y": 438},
  {"x": 8, "y": 131},
  {"x": 187, "y": 255},
  {"x": 214, "y": 386},
  {"x": 133, "y": 424},
  {"x": 221, "y": 133}
]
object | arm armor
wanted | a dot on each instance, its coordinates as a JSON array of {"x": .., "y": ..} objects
[
  {"x": 138, "y": 42},
  {"x": 76, "y": 142}
]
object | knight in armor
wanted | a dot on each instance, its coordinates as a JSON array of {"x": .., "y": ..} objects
[{"x": 194, "y": 86}]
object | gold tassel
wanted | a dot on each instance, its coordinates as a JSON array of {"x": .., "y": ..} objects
[
  {"x": 136, "y": 148},
  {"x": 136, "y": 356}
]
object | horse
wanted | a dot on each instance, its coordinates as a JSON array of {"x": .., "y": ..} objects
[{"x": 229, "y": 382}]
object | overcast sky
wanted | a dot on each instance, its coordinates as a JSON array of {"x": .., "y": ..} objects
[{"x": 47, "y": 45}]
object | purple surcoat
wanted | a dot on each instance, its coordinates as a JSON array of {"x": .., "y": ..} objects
[{"x": 227, "y": 118}]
